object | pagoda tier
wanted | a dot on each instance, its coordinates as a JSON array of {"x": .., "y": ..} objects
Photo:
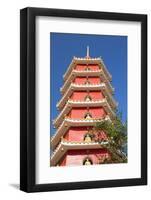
[
  {"x": 87, "y": 60},
  {"x": 86, "y": 73},
  {"x": 64, "y": 146},
  {"x": 82, "y": 104},
  {"x": 68, "y": 123},
  {"x": 87, "y": 99},
  {"x": 86, "y": 87}
]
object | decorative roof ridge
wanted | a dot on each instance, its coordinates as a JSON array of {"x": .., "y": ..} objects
[
  {"x": 87, "y": 84},
  {"x": 87, "y": 58},
  {"x": 86, "y": 102},
  {"x": 82, "y": 142},
  {"x": 88, "y": 71},
  {"x": 83, "y": 120}
]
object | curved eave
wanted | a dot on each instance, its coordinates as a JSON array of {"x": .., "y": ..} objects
[
  {"x": 97, "y": 73},
  {"x": 67, "y": 123},
  {"x": 64, "y": 146},
  {"x": 86, "y": 60},
  {"x": 88, "y": 87},
  {"x": 78, "y": 104}
]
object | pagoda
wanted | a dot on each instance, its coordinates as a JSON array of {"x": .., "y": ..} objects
[{"x": 87, "y": 98}]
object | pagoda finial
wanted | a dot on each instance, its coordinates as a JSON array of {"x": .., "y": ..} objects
[{"x": 88, "y": 52}]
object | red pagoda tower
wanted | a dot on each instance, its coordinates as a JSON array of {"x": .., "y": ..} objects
[{"x": 86, "y": 99}]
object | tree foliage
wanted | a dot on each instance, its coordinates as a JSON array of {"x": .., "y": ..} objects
[{"x": 116, "y": 133}]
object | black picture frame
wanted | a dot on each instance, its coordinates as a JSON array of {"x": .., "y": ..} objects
[{"x": 28, "y": 99}]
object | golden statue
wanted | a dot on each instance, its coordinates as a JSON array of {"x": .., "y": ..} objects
[
  {"x": 87, "y": 138},
  {"x": 88, "y": 116},
  {"x": 87, "y": 162},
  {"x": 88, "y": 98}
]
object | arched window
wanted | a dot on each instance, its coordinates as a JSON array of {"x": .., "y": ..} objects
[
  {"x": 88, "y": 98},
  {"x": 87, "y": 161},
  {"x": 88, "y": 115}
]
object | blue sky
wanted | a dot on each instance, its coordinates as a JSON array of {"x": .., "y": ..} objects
[{"x": 113, "y": 51}]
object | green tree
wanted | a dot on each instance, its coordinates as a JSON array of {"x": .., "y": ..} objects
[{"x": 116, "y": 133}]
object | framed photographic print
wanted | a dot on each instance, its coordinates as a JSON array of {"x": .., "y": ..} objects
[{"x": 83, "y": 99}]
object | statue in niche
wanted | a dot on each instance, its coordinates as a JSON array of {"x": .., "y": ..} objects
[
  {"x": 87, "y": 68},
  {"x": 88, "y": 116},
  {"x": 87, "y": 138},
  {"x": 87, "y": 82},
  {"x": 87, "y": 162},
  {"x": 88, "y": 98}
]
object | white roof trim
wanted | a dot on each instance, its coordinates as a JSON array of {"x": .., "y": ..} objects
[
  {"x": 70, "y": 104},
  {"x": 86, "y": 60},
  {"x": 74, "y": 73},
  {"x": 64, "y": 146},
  {"x": 67, "y": 123},
  {"x": 85, "y": 87}
]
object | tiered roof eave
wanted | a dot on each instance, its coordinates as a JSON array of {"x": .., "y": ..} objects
[
  {"x": 69, "y": 122},
  {"x": 64, "y": 146},
  {"x": 87, "y": 60},
  {"x": 86, "y": 87},
  {"x": 84, "y": 73},
  {"x": 63, "y": 122},
  {"x": 73, "y": 103}
]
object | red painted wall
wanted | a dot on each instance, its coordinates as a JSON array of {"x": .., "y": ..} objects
[
  {"x": 79, "y": 113},
  {"x": 78, "y": 133},
  {"x": 76, "y": 157},
  {"x": 80, "y": 95},
  {"x": 94, "y": 80},
  {"x": 81, "y": 67},
  {"x": 82, "y": 80}
]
